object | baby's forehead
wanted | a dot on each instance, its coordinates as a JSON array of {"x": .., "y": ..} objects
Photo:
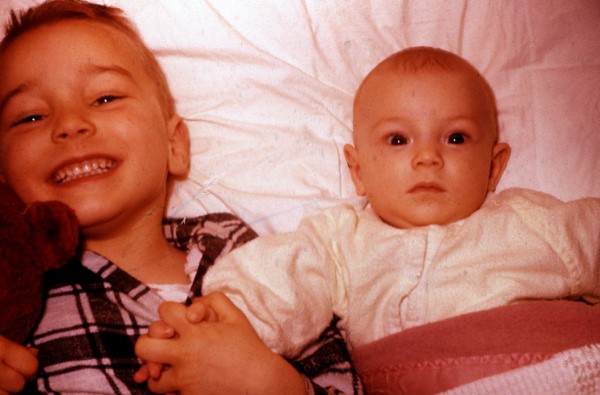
[
  {"x": 418, "y": 61},
  {"x": 387, "y": 79},
  {"x": 391, "y": 81}
]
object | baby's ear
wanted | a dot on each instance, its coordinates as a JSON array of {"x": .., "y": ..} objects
[
  {"x": 500, "y": 156},
  {"x": 351, "y": 155},
  {"x": 179, "y": 147}
]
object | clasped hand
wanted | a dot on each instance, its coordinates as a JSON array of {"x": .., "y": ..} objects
[{"x": 210, "y": 348}]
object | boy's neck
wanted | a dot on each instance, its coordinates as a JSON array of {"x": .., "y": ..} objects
[{"x": 143, "y": 252}]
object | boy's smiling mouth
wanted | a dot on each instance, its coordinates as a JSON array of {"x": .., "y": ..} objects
[{"x": 86, "y": 168}]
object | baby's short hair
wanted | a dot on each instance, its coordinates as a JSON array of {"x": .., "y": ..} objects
[
  {"x": 429, "y": 59},
  {"x": 53, "y": 11}
]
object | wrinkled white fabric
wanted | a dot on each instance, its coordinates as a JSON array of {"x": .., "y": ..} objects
[{"x": 266, "y": 89}]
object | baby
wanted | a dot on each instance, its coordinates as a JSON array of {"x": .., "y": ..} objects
[{"x": 434, "y": 241}]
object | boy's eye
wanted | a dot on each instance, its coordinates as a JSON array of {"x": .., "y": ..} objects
[
  {"x": 398, "y": 140},
  {"x": 29, "y": 119},
  {"x": 106, "y": 99},
  {"x": 456, "y": 138}
]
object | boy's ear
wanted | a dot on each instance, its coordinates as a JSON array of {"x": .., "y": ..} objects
[
  {"x": 351, "y": 155},
  {"x": 500, "y": 156},
  {"x": 179, "y": 147}
]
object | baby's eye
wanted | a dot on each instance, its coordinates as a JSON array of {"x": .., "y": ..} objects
[
  {"x": 456, "y": 138},
  {"x": 398, "y": 139}
]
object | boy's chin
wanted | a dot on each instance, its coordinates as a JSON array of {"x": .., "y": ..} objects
[{"x": 93, "y": 220}]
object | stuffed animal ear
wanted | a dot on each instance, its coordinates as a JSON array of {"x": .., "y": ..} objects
[{"x": 55, "y": 230}]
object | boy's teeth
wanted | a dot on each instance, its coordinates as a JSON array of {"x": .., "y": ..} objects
[{"x": 83, "y": 169}]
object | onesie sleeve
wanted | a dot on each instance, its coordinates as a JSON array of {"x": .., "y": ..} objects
[
  {"x": 326, "y": 362},
  {"x": 572, "y": 229},
  {"x": 286, "y": 284}
]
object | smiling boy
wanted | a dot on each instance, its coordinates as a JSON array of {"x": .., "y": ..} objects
[
  {"x": 90, "y": 128},
  {"x": 87, "y": 118},
  {"x": 95, "y": 135}
]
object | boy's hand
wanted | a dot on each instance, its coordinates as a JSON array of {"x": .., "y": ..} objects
[
  {"x": 18, "y": 364},
  {"x": 195, "y": 313}
]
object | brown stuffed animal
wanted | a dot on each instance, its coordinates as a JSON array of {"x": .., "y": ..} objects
[{"x": 33, "y": 239}]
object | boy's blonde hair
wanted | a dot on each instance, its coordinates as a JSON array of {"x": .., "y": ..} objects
[
  {"x": 427, "y": 59},
  {"x": 54, "y": 11}
]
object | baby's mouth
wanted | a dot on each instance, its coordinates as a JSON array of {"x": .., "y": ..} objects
[
  {"x": 426, "y": 187},
  {"x": 79, "y": 170}
]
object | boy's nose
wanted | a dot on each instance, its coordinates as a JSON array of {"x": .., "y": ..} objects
[{"x": 70, "y": 126}]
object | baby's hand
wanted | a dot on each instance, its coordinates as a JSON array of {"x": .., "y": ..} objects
[
  {"x": 17, "y": 365},
  {"x": 195, "y": 313},
  {"x": 199, "y": 311}
]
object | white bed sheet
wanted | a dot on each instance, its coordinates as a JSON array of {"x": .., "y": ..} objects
[{"x": 266, "y": 88}]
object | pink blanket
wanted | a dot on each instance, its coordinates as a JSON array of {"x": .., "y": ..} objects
[{"x": 446, "y": 354}]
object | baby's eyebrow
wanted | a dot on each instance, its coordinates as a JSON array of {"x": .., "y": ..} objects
[{"x": 388, "y": 121}]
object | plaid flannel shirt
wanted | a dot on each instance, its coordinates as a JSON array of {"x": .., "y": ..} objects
[{"x": 95, "y": 312}]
